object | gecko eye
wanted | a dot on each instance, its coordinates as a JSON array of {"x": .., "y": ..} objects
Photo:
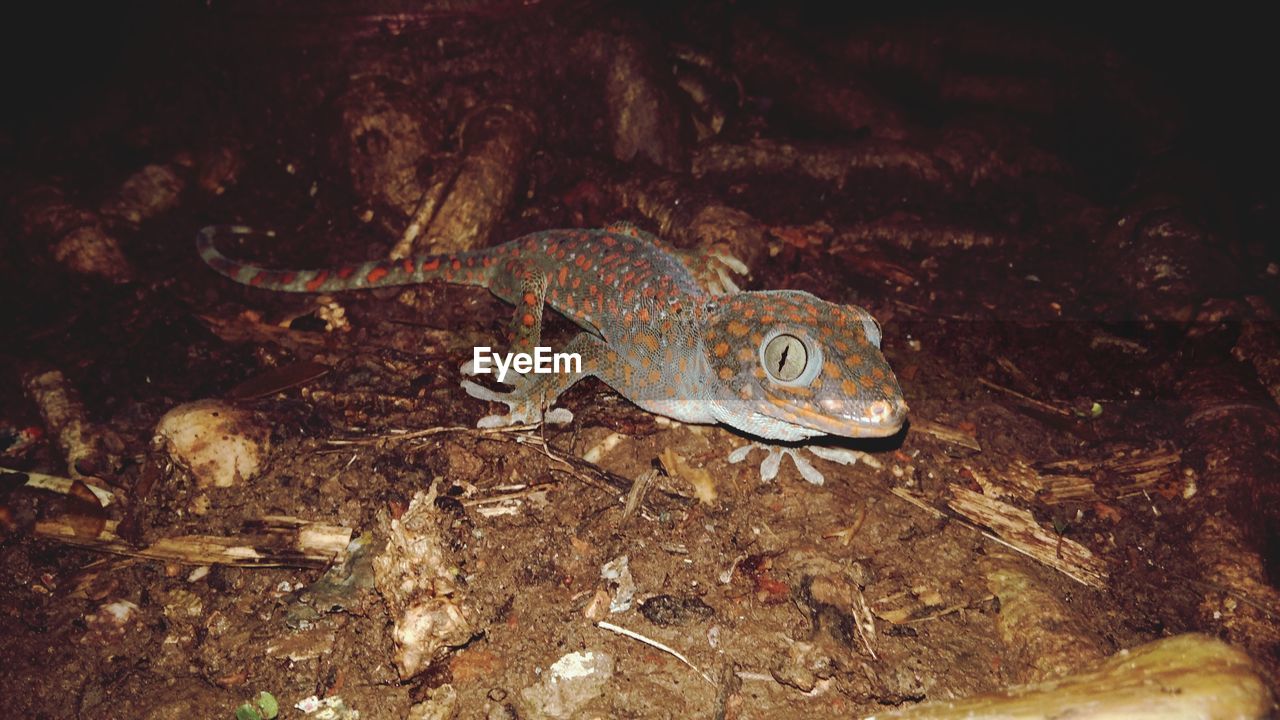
[
  {"x": 785, "y": 358},
  {"x": 870, "y": 327}
]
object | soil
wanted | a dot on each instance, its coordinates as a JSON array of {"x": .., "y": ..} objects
[{"x": 1052, "y": 348}]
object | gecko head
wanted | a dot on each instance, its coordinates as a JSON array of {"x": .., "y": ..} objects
[{"x": 791, "y": 366}]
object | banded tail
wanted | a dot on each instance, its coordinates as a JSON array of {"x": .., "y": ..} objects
[{"x": 466, "y": 268}]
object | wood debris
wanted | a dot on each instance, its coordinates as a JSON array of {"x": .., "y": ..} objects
[{"x": 270, "y": 541}]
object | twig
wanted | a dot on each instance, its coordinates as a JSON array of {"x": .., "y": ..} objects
[
  {"x": 1090, "y": 577},
  {"x": 947, "y": 434},
  {"x": 605, "y": 625},
  {"x": 583, "y": 470},
  {"x": 1038, "y": 404},
  {"x": 61, "y": 485},
  {"x": 271, "y": 541}
]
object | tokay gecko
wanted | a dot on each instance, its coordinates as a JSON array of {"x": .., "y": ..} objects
[{"x": 776, "y": 364}]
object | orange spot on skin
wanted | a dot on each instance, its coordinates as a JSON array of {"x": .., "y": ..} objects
[
  {"x": 345, "y": 272},
  {"x": 867, "y": 381},
  {"x": 608, "y": 241},
  {"x": 746, "y": 354},
  {"x": 530, "y": 298},
  {"x": 644, "y": 315},
  {"x": 408, "y": 266},
  {"x": 314, "y": 283},
  {"x": 430, "y": 265},
  {"x": 725, "y": 373},
  {"x": 853, "y": 361},
  {"x": 577, "y": 283},
  {"x": 527, "y": 320},
  {"x": 563, "y": 275},
  {"x": 671, "y": 391},
  {"x": 830, "y": 368},
  {"x": 683, "y": 364},
  {"x": 721, "y": 349},
  {"x": 850, "y": 388},
  {"x": 767, "y": 319},
  {"x": 375, "y": 275},
  {"x": 655, "y": 376},
  {"x": 648, "y": 341},
  {"x": 456, "y": 264}
]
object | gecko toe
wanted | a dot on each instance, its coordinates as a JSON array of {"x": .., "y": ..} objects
[{"x": 481, "y": 392}]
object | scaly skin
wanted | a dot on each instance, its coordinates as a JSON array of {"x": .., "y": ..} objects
[{"x": 651, "y": 332}]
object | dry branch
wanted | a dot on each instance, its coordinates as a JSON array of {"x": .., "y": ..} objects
[{"x": 271, "y": 541}]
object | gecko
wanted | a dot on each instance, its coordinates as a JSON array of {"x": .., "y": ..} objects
[{"x": 778, "y": 365}]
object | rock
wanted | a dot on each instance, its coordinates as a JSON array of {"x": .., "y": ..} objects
[
  {"x": 219, "y": 444},
  {"x": 571, "y": 682}
]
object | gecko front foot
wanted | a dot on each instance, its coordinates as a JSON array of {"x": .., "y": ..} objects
[
  {"x": 523, "y": 411},
  {"x": 713, "y": 268},
  {"x": 773, "y": 460}
]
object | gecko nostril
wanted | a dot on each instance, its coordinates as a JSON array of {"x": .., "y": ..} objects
[{"x": 878, "y": 410}]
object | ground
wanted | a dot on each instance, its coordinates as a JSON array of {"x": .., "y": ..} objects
[{"x": 1062, "y": 231}]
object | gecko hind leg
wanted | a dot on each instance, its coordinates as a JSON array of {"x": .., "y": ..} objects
[{"x": 526, "y": 288}]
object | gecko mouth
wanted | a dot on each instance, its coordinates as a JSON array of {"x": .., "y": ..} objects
[{"x": 881, "y": 419}]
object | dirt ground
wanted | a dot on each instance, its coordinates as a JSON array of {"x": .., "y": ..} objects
[{"x": 1066, "y": 231}]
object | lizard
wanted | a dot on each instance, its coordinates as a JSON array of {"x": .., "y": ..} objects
[{"x": 780, "y": 365}]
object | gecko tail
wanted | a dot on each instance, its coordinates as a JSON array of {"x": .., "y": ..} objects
[{"x": 377, "y": 273}]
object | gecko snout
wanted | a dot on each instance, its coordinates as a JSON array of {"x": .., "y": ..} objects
[{"x": 887, "y": 413}]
